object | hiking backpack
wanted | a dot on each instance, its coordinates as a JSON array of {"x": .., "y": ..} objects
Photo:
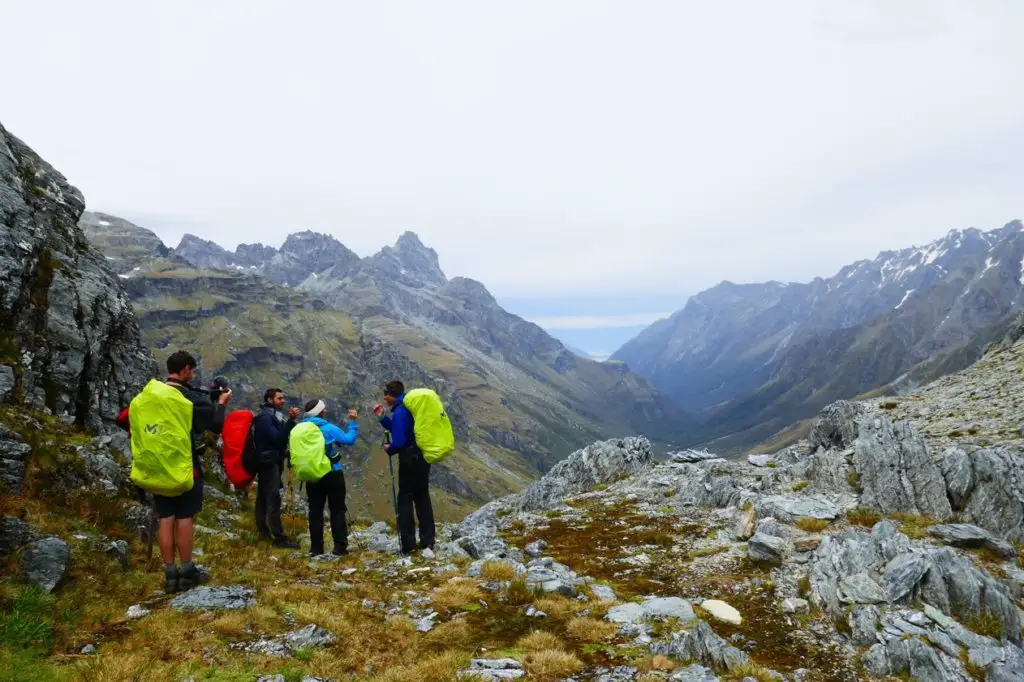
[
  {"x": 308, "y": 452},
  {"x": 238, "y": 452},
  {"x": 161, "y": 436},
  {"x": 431, "y": 425}
]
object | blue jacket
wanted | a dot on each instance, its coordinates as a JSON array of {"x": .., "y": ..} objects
[
  {"x": 333, "y": 434},
  {"x": 400, "y": 424}
]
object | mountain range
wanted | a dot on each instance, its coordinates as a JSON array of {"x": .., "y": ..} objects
[
  {"x": 751, "y": 359},
  {"x": 317, "y": 320}
]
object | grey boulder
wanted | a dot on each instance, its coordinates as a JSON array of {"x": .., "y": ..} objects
[{"x": 45, "y": 563}]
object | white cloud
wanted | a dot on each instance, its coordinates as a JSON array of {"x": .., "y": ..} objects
[
  {"x": 597, "y": 321},
  {"x": 547, "y": 149}
]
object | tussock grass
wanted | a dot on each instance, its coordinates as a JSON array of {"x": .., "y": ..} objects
[
  {"x": 914, "y": 526},
  {"x": 705, "y": 551},
  {"x": 443, "y": 666},
  {"x": 800, "y": 485},
  {"x": 862, "y": 516},
  {"x": 455, "y": 634},
  {"x": 498, "y": 570},
  {"x": 750, "y": 670},
  {"x": 985, "y": 623},
  {"x": 456, "y": 593},
  {"x": 557, "y": 606},
  {"x": 590, "y": 629},
  {"x": 811, "y": 525},
  {"x": 539, "y": 640},
  {"x": 551, "y": 665},
  {"x": 518, "y": 593}
]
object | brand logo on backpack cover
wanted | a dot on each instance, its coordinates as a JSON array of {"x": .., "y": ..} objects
[{"x": 151, "y": 428}]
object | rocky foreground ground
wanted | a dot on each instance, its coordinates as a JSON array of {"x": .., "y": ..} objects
[{"x": 885, "y": 546}]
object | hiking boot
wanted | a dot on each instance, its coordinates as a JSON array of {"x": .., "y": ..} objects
[
  {"x": 172, "y": 580},
  {"x": 190, "y": 577},
  {"x": 286, "y": 543},
  {"x": 339, "y": 551}
]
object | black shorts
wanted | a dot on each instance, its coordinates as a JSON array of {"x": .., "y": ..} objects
[{"x": 184, "y": 506}]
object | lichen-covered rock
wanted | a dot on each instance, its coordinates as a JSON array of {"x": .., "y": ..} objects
[
  {"x": 215, "y": 598},
  {"x": 45, "y": 563},
  {"x": 836, "y": 427},
  {"x": 12, "y": 460},
  {"x": 987, "y": 486},
  {"x": 78, "y": 343},
  {"x": 897, "y": 472},
  {"x": 14, "y": 534}
]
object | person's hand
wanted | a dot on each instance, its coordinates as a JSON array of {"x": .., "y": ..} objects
[
  {"x": 352, "y": 414},
  {"x": 224, "y": 397},
  {"x": 378, "y": 410},
  {"x": 293, "y": 412},
  {"x": 386, "y": 451}
]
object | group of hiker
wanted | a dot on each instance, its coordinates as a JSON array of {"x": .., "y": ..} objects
[{"x": 168, "y": 421}]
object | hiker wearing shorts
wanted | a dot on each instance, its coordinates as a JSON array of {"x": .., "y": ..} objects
[{"x": 176, "y": 513}]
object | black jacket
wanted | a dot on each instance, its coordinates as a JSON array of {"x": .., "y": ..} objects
[
  {"x": 271, "y": 429},
  {"x": 206, "y": 417}
]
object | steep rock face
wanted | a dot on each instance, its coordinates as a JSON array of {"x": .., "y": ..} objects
[
  {"x": 765, "y": 355},
  {"x": 202, "y": 253},
  {"x": 69, "y": 331}
]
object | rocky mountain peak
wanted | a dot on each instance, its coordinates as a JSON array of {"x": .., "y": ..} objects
[
  {"x": 253, "y": 255},
  {"x": 305, "y": 254},
  {"x": 411, "y": 262},
  {"x": 203, "y": 253}
]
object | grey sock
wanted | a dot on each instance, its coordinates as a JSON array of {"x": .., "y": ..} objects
[
  {"x": 187, "y": 566},
  {"x": 170, "y": 568}
]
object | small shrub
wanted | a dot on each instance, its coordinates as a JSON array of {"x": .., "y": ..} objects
[
  {"x": 772, "y": 465},
  {"x": 955, "y": 434},
  {"x": 853, "y": 478},
  {"x": 811, "y": 525},
  {"x": 862, "y": 516},
  {"x": 519, "y": 593},
  {"x": 751, "y": 670},
  {"x": 889, "y": 405},
  {"x": 803, "y": 586},
  {"x": 601, "y": 486},
  {"x": 914, "y": 526},
  {"x": 985, "y": 623},
  {"x": 800, "y": 485}
]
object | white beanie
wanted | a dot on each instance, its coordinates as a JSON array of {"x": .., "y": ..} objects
[{"x": 317, "y": 409}]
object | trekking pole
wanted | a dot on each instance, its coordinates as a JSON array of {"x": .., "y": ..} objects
[{"x": 391, "y": 468}]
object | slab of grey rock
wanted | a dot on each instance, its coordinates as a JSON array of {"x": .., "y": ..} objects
[
  {"x": 795, "y": 605},
  {"x": 667, "y": 607},
  {"x": 15, "y": 534},
  {"x": 493, "y": 669},
  {"x": 769, "y": 549},
  {"x": 207, "y": 598},
  {"x": 45, "y": 563},
  {"x": 693, "y": 673},
  {"x": 6, "y": 381},
  {"x": 860, "y": 588},
  {"x": 119, "y": 550},
  {"x": 745, "y": 524},
  {"x": 88, "y": 649},
  {"x": 136, "y": 611},
  {"x": 988, "y": 485},
  {"x": 864, "y": 625},
  {"x": 603, "y": 592},
  {"x": 703, "y": 646},
  {"x": 535, "y": 549},
  {"x": 760, "y": 460},
  {"x": 902, "y": 574},
  {"x": 789, "y": 508},
  {"x": 897, "y": 471},
  {"x": 629, "y": 612},
  {"x": 836, "y": 426},
  {"x": 692, "y": 456},
  {"x": 971, "y": 536}
]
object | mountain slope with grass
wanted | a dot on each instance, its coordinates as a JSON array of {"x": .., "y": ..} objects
[{"x": 886, "y": 545}]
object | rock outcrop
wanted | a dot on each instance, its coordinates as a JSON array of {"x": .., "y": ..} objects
[{"x": 70, "y": 338}]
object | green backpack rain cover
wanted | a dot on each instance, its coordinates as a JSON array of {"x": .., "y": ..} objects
[
  {"x": 161, "y": 428},
  {"x": 308, "y": 452},
  {"x": 431, "y": 426}
]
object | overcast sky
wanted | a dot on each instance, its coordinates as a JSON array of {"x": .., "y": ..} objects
[{"x": 579, "y": 157}]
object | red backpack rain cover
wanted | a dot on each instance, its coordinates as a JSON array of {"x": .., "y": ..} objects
[{"x": 236, "y": 436}]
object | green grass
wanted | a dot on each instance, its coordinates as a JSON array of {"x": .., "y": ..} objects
[
  {"x": 862, "y": 516},
  {"x": 800, "y": 485}
]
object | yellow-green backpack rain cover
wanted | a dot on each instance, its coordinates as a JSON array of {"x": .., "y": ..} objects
[
  {"x": 431, "y": 425},
  {"x": 308, "y": 452},
  {"x": 161, "y": 428}
]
